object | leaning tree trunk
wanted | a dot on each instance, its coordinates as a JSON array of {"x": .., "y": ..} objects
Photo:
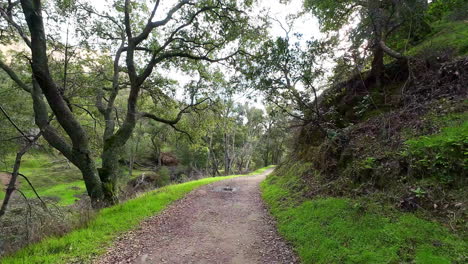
[{"x": 76, "y": 149}]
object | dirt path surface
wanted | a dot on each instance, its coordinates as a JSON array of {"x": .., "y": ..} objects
[{"x": 212, "y": 224}]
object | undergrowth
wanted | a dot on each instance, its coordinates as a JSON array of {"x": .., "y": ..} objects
[
  {"x": 443, "y": 155},
  {"x": 344, "y": 230},
  {"x": 82, "y": 245}
]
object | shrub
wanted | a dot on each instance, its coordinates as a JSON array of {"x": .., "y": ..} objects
[
  {"x": 442, "y": 155},
  {"x": 163, "y": 178}
]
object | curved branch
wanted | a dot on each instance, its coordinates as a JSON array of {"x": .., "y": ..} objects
[
  {"x": 14, "y": 124},
  {"x": 151, "y": 25},
  {"x": 391, "y": 52},
  {"x": 9, "y": 18},
  {"x": 14, "y": 77},
  {"x": 174, "y": 121}
]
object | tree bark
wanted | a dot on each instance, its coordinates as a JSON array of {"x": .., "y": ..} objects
[
  {"x": 226, "y": 155},
  {"x": 377, "y": 70},
  {"x": 43, "y": 84},
  {"x": 393, "y": 53},
  {"x": 14, "y": 175}
]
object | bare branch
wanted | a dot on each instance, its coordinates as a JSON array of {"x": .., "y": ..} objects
[
  {"x": 14, "y": 77},
  {"x": 14, "y": 124},
  {"x": 151, "y": 25},
  {"x": 174, "y": 121},
  {"x": 14, "y": 175}
]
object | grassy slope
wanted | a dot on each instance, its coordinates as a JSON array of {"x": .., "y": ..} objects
[
  {"x": 51, "y": 179},
  {"x": 341, "y": 230},
  {"x": 446, "y": 34},
  {"x": 83, "y": 244},
  {"x": 330, "y": 229}
]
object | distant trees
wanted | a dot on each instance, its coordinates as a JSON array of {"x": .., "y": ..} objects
[
  {"x": 244, "y": 137},
  {"x": 141, "y": 40}
]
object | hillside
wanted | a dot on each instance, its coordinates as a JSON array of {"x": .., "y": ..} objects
[{"x": 381, "y": 178}]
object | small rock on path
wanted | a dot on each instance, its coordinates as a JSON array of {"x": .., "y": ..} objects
[{"x": 212, "y": 224}]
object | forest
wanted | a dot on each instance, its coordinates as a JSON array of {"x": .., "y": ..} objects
[{"x": 233, "y": 131}]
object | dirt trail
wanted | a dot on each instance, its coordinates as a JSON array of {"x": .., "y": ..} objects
[{"x": 210, "y": 225}]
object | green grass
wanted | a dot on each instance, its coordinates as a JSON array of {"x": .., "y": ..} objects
[
  {"x": 56, "y": 180},
  {"x": 64, "y": 194},
  {"x": 339, "y": 230},
  {"x": 446, "y": 34},
  {"x": 44, "y": 170},
  {"x": 83, "y": 244},
  {"x": 258, "y": 171}
]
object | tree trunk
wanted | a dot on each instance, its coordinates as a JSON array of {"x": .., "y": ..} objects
[
  {"x": 113, "y": 147},
  {"x": 226, "y": 155},
  {"x": 109, "y": 172},
  {"x": 43, "y": 84},
  {"x": 377, "y": 70},
  {"x": 159, "y": 157},
  {"x": 93, "y": 184},
  {"x": 14, "y": 175},
  {"x": 207, "y": 168}
]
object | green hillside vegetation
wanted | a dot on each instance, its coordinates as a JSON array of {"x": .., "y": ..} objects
[
  {"x": 445, "y": 35},
  {"x": 386, "y": 183},
  {"x": 54, "y": 179},
  {"x": 448, "y": 30},
  {"x": 344, "y": 230}
]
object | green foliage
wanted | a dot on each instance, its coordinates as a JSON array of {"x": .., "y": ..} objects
[
  {"x": 443, "y": 155},
  {"x": 81, "y": 245},
  {"x": 363, "y": 106},
  {"x": 333, "y": 15},
  {"x": 368, "y": 163},
  {"x": 338, "y": 230},
  {"x": 418, "y": 192},
  {"x": 395, "y": 19},
  {"x": 163, "y": 178},
  {"x": 438, "y": 9}
]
